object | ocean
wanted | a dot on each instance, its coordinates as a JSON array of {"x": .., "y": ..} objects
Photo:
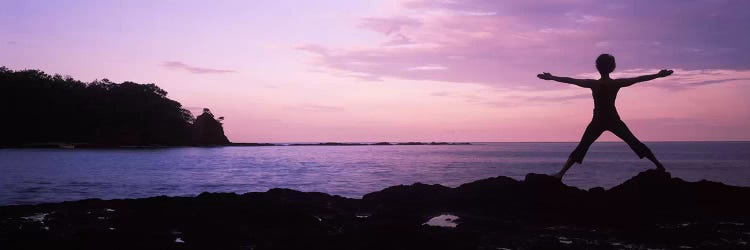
[{"x": 32, "y": 176}]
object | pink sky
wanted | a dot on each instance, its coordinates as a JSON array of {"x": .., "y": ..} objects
[{"x": 404, "y": 70}]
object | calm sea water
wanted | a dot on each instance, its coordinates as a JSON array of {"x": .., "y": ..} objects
[{"x": 49, "y": 175}]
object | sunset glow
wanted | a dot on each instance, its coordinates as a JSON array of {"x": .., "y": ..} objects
[{"x": 398, "y": 70}]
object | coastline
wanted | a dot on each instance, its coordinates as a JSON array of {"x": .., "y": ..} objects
[{"x": 651, "y": 210}]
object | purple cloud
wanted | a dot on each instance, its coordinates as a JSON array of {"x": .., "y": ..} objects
[
  {"x": 317, "y": 49},
  {"x": 506, "y": 43},
  {"x": 684, "y": 79},
  {"x": 175, "y": 65},
  {"x": 708, "y": 82},
  {"x": 441, "y": 93},
  {"x": 514, "y": 101},
  {"x": 388, "y": 26}
]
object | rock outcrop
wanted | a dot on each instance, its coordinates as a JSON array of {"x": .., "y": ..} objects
[
  {"x": 208, "y": 130},
  {"x": 651, "y": 210}
]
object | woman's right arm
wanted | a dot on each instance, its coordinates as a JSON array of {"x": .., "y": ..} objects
[{"x": 586, "y": 83}]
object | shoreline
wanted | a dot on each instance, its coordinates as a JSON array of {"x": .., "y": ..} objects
[{"x": 652, "y": 210}]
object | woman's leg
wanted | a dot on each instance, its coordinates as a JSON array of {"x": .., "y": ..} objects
[
  {"x": 593, "y": 131},
  {"x": 621, "y": 130},
  {"x": 564, "y": 169}
]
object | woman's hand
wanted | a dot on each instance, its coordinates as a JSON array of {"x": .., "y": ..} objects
[
  {"x": 664, "y": 73},
  {"x": 546, "y": 76}
]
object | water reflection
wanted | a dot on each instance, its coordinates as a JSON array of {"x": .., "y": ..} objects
[{"x": 48, "y": 175}]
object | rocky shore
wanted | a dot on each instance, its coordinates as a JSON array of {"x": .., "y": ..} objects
[{"x": 650, "y": 211}]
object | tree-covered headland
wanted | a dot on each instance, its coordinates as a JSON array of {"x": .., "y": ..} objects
[{"x": 39, "y": 108}]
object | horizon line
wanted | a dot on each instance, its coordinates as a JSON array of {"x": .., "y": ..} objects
[{"x": 493, "y": 141}]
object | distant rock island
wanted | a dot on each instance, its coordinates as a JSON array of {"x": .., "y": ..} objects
[
  {"x": 44, "y": 110},
  {"x": 208, "y": 130},
  {"x": 650, "y": 211}
]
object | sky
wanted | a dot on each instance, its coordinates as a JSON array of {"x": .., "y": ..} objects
[{"x": 405, "y": 70}]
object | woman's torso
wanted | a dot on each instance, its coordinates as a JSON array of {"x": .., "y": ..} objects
[{"x": 604, "y": 92}]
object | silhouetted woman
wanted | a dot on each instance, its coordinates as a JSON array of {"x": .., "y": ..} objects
[{"x": 605, "y": 117}]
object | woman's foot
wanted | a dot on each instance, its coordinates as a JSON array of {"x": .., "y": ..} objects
[
  {"x": 660, "y": 168},
  {"x": 558, "y": 176},
  {"x": 564, "y": 169}
]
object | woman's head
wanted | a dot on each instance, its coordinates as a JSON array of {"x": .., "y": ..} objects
[{"x": 605, "y": 64}]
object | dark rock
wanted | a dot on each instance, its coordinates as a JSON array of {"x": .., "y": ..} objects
[
  {"x": 410, "y": 143},
  {"x": 208, "y": 130},
  {"x": 651, "y": 210}
]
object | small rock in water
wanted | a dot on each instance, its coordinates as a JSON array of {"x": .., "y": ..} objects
[
  {"x": 362, "y": 216},
  {"x": 37, "y": 217},
  {"x": 564, "y": 240},
  {"x": 443, "y": 220}
]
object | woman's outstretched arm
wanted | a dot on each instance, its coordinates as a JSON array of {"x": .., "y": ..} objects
[
  {"x": 624, "y": 82},
  {"x": 586, "y": 83}
]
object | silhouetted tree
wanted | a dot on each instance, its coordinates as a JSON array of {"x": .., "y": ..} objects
[{"x": 43, "y": 108}]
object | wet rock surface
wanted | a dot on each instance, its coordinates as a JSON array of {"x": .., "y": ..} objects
[{"x": 651, "y": 210}]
